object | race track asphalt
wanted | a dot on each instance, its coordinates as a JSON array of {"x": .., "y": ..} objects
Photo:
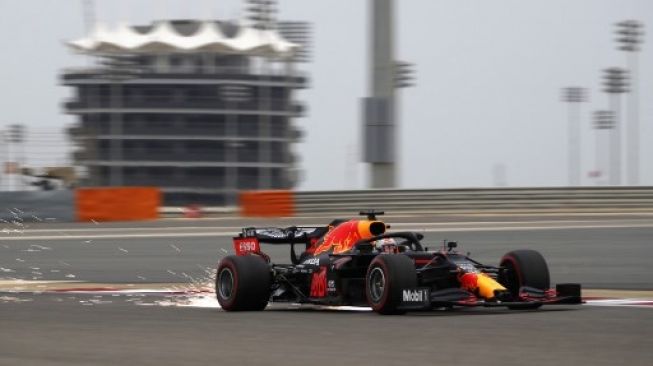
[
  {"x": 76, "y": 329},
  {"x": 52, "y": 331},
  {"x": 602, "y": 253}
]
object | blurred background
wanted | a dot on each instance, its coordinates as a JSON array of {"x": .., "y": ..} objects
[{"x": 207, "y": 98}]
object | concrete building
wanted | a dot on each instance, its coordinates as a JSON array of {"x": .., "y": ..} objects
[{"x": 202, "y": 109}]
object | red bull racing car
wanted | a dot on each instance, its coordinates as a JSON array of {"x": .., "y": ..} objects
[{"x": 358, "y": 263}]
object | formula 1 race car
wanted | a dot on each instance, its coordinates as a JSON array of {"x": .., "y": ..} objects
[{"x": 358, "y": 263}]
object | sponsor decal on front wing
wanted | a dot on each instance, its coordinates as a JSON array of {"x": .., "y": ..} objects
[{"x": 415, "y": 298}]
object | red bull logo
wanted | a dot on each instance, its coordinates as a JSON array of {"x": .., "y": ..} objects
[
  {"x": 343, "y": 237},
  {"x": 469, "y": 281}
]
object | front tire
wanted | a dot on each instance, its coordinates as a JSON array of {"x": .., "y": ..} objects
[
  {"x": 243, "y": 283},
  {"x": 524, "y": 268},
  {"x": 386, "y": 277}
]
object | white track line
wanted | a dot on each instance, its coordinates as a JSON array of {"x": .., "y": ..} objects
[
  {"x": 645, "y": 222},
  {"x": 206, "y": 298},
  {"x": 639, "y": 303},
  {"x": 209, "y": 301},
  {"x": 424, "y": 228}
]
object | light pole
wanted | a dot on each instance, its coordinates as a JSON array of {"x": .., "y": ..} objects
[
  {"x": 379, "y": 137},
  {"x": 630, "y": 33},
  {"x": 603, "y": 121},
  {"x": 299, "y": 33},
  {"x": 380, "y": 125},
  {"x": 262, "y": 13},
  {"x": 615, "y": 84},
  {"x": 574, "y": 96}
]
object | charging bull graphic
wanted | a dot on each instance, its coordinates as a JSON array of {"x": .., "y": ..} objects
[{"x": 343, "y": 237}]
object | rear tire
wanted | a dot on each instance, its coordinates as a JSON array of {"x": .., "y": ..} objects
[
  {"x": 243, "y": 283},
  {"x": 387, "y": 276},
  {"x": 524, "y": 268}
]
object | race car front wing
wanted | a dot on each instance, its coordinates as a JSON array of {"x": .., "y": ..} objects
[{"x": 422, "y": 298}]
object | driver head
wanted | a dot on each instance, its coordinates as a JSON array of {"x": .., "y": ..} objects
[{"x": 384, "y": 241}]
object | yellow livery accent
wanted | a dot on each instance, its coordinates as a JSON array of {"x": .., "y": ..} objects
[{"x": 487, "y": 286}]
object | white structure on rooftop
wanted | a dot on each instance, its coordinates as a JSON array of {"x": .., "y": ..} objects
[{"x": 163, "y": 37}]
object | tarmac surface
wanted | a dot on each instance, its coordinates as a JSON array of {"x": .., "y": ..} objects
[
  {"x": 51, "y": 330},
  {"x": 601, "y": 252}
]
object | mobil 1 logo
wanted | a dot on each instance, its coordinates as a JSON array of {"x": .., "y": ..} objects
[{"x": 416, "y": 298}]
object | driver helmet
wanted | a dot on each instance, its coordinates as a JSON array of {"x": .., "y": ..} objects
[{"x": 384, "y": 241}]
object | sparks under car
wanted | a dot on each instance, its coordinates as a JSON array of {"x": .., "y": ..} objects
[{"x": 356, "y": 262}]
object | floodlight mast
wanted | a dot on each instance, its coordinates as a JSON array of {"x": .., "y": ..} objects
[
  {"x": 379, "y": 109},
  {"x": 380, "y": 129},
  {"x": 615, "y": 83},
  {"x": 574, "y": 96},
  {"x": 630, "y": 34},
  {"x": 603, "y": 121}
]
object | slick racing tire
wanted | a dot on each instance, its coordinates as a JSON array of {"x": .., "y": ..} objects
[
  {"x": 524, "y": 268},
  {"x": 387, "y": 276},
  {"x": 243, "y": 283}
]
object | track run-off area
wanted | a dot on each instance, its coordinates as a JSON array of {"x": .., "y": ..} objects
[{"x": 141, "y": 293}]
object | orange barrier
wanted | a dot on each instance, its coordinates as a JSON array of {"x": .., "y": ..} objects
[
  {"x": 267, "y": 203},
  {"x": 117, "y": 203}
]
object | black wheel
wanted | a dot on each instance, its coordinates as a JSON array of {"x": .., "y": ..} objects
[
  {"x": 387, "y": 276},
  {"x": 243, "y": 283},
  {"x": 524, "y": 268}
]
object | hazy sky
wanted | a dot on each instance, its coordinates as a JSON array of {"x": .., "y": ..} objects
[{"x": 489, "y": 74}]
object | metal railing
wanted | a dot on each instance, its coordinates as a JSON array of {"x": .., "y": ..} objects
[
  {"x": 464, "y": 201},
  {"x": 563, "y": 199}
]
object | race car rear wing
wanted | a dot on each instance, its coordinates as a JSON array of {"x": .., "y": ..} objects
[
  {"x": 290, "y": 235},
  {"x": 249, "y": 240}
]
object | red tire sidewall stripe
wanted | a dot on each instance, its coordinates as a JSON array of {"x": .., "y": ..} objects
[
  {"x": 228, "y": 303},
  {"x": 386, "y": 290},
  {"x": 516, "y": 267}
]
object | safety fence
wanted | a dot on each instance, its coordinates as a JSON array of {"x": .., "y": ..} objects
[
  {"x": 144, "y": 203},
  {"x": 489, "y": 200},
  {"x": 82, "y": 204}
]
